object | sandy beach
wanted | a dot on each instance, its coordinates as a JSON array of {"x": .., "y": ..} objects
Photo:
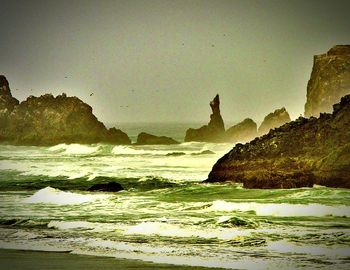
[{"x": 27, "y": 260}]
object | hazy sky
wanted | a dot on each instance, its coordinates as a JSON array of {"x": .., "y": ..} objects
[{"x": 166, "y": 60}]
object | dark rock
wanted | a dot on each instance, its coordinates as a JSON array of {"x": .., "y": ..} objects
[
  {"x": 49, "y": 120},
  {"x": 214, "y": 131},
  {"x": 298, "y": 154},
  {"x": 274, "y": 120},
  {"x": 244, "y": 131},
  {"x": 330, "y": 80},
  {"x": 204, "y": 152},
  {"x": 176, "y": 154},
  {"x": 108, "y": 187},
  {"x": 149, "y": 139}
]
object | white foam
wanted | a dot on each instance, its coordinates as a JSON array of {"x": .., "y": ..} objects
[
  {"x": 281, "y": 209},
  {"x": 130, "y": 150},
  {"x": 74, "y": 149},
  {"x": 55, "y": 196}
]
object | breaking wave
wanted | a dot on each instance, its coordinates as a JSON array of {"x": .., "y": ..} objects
[{"x": 74, "y": 149}]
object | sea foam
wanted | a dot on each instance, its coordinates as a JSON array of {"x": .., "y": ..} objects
[
  {"x": 51, "y": 195},
  {"x": 74, "y": 149}
]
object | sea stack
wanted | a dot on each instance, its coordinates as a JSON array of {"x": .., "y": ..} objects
[
  {"x": 244, "y": 131},
  {"x": 330, "y": 80},
  {"x": 49, "y": 120},
  {"x": 274, "y": 120},
  {"x": 148, "y": 139},
  {"x": 214, "y": 131}
]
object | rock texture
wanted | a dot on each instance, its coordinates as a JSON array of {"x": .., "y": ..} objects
[
  {"x": 107, "y": 187},
  {"x": 145, "y": 138},
  {"x": 214, "y": 131},
  {"x": 274, "y": 120},
  {"x": 244, "y": 131},
  {"x": 49, "y": 120},
  {"x": 330, "y": 80},
  {"x": 298, "y": 154}
]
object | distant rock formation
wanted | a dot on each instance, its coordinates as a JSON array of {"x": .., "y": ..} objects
[
  {"x": 330, "y": 80},
  {"x": 274, "y": 120},
  {"x": 145, "y": 138},
  {"x": 49, "y": 120},
  {"x": 214, "y": 131},
  {"x": 298, "y": 154},
  {"x": 244, "y": 131}
]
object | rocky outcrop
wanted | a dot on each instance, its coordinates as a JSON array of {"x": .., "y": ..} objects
[
  {"x": 244, "y": 131},
  {"x": 298, "y": 154},
  {"x": 107, "y": 187},
  {"x": 330, "y": 80},
  {"x": 274, "y": 120},
  {"x": 214, "y": 131},
  {"x": 49, "y": 120},
  {"x": 149, "y": 139}
]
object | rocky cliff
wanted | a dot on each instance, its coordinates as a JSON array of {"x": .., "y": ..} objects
[
  {"x": 298, "y": 154},
  {"x": 274, "y": 120},
  {"x": 330, "y": 80},
  {"x": 244, "y": 131},
  {"x": 214, "y": 131},
  {"x": 49, "y": 120}
]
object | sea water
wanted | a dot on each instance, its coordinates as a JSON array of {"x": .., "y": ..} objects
[{"x": 165, "y": 214}]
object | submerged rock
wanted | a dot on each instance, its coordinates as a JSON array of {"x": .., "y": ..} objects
[
  {"x": 244, "y": 131},
  {"x": 149, "y": 139},
  {"x": 214, "y": 131},
  {"x": 107, "y": 187},
  {"x": 330, "y": 80},
  {"x": 49, "y": 120},
  {"x": 298, "y": 154},
  {"x": 274, "y": 120}
]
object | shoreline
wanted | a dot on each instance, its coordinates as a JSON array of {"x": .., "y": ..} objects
[{"x": 36, "y": 259}]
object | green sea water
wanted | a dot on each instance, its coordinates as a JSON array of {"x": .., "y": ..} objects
[{"x": 165, "y": 214}]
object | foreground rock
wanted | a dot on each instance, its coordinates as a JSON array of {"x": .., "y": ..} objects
[
  {"x": 214, "y": 131},
  {"x": 244, "y": 131},
  {"x": 330, "y": 80},
  {"x": 298, "y": 154},
  {"x": 49, "y": 120},
  {"x": 107, "y": 187},
  {"x": 149, "y": 139},
  {"x": 274, "y": 120}
]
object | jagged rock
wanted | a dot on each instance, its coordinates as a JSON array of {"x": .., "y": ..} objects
[
  {"x": 49, "y": 120},
  {"x": 274, "y": 120},
  {"x": 330, "y": 80},
  {"x": 107, "y": 187},
  {"x": 298, "y": 154},
  {"x": 145, "y": 138},
  {"x": 244, "y": 131},
  {"x": 214, "y": 131}
]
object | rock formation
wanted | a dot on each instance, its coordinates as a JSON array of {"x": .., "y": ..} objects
[
  {"x": 106, "y": 187},
  {"x": 49, "y": 120},
  {"x": 244, "y": 131},
  {"x": 214, "y": 131},
  {"x": 145, "y": 138},
  {"x": 274, "y": 120},
  {"x": 298, "y": 154},
  {"x": 330, "y": 80}
]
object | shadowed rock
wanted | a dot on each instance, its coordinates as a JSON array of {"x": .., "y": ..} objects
[
  {"x": 330, "y": 80},
  {"x": 145, "y": 138},
  {"x": 298, "y": 154},
  {"x": 274, "y": 120},
  {"x": 244, "y": 131},
  {"x": 107, "y": 187},
  {"x": 214, "y": 131},
  {"x": 49, "y": 120}
]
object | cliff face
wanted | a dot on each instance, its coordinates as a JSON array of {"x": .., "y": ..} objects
[
  {"x": 274, "y": 120},
  {"x": 330, "y": 80},
  {"x": 49, "y": 120},
  {"x": 244, "y": 131},
  {"x": 300, "y": 153},
  {"x": 214, "y": 131}
]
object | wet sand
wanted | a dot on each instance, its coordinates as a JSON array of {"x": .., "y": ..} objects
[{"x": 28, "y": 260}]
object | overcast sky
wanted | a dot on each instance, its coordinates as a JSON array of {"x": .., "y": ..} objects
[{"x": 156, "y": 61}]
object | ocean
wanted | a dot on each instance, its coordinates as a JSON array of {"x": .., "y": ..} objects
[{"x": 165, "y": 214}]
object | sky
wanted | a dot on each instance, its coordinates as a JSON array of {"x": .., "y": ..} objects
[{"x": 163, "y": 61}]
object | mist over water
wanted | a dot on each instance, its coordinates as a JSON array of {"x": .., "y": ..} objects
[{"x": 165, "y": 214}]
